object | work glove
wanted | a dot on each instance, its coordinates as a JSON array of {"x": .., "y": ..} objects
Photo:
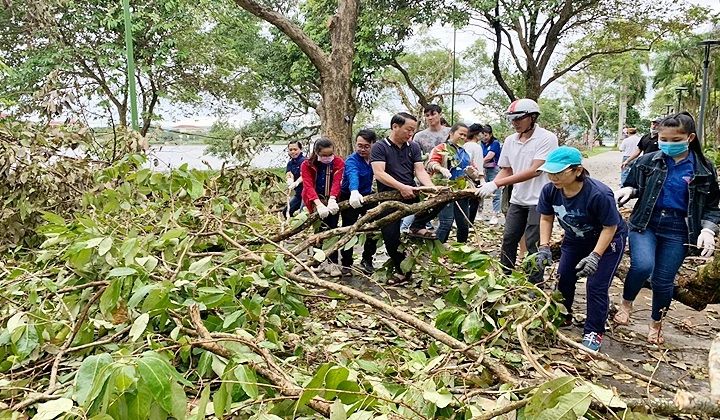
[
  {"x": 706, "y": 242},
  {"x": 323, "y": 211},
  {"x": 543, "y": 258},
  {"x": 293, "y": 185},
  {"x": 487, "y": 190},
  {"x": 588, "y": 265},
  {"x": 623, "y": 195},
  {"x": 445, "y": 172},
  {"x": 356, "y": 199},
  {"x": 333, "y": 206}
]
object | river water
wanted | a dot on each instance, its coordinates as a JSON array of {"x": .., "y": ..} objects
[{"x": 172, "y": 156}]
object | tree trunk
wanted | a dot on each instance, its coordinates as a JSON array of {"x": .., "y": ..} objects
[
  {"x": 337, "y": 114},
  {"x": 622, "y": 112},
  {"x": 702, "y": 289}
]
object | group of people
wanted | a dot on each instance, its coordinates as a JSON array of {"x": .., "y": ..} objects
[{"x": 675, "y": 186}]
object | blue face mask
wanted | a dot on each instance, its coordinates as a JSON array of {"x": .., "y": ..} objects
[{"x": 673, "y": 148}]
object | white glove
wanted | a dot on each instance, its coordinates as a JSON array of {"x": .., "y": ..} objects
[
  {"x": 356, "y": 199},
  {"x": 487, "y": 189},
  {"x": 445, "y": 172},
  {"x": 333, "y": 206},
  {"x": 623, "y": 195},
  {"x": 289, "y": 181},
  {"x": 293, "y": 185},
  {"x": 706, "y": 242},
  {"x": 323, "y": 211}
]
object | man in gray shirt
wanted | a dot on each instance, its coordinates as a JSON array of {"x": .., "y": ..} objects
[{"x": 435, "y": 133}]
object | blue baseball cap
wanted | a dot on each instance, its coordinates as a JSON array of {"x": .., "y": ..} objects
[{"x": 560, "y": 159}]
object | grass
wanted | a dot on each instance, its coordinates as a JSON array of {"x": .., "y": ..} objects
[{"x": 597, "y": 150}]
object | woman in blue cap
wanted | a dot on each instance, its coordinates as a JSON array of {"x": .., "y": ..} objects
[{"x": 595, "y": 236}]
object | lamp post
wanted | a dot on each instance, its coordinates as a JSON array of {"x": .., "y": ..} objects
[
  {"x": 668, "y": 108},
  {"x": 703, "y": 95},
  {"x": 679, "y": 91},
  {"x": 452, "y": 100}
]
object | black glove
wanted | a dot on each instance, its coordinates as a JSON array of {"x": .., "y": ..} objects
[
  {"x": 543, "y": 258},
  {"x": 588, "y": 265}
]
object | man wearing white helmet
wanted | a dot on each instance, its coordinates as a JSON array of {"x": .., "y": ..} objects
[{"x": 523, "y": 153}]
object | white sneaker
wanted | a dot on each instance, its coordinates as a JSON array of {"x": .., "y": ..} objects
[
  {"x": 493, "y": 221},
  {"x": 333, "y": 270}
]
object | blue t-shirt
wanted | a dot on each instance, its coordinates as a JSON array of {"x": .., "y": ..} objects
[
  {"x": 584, "y": 215},
  {"x": 358, "y": 175},
  {"x": 293, "y": 166},
  {"x": 492, "y": 147},
  {"x": 675, "y": 194}
]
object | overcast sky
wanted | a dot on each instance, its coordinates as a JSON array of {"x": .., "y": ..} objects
[{"x": 468, "y": 111}]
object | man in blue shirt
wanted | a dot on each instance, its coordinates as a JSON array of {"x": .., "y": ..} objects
[{"x": 357, "y": 183}]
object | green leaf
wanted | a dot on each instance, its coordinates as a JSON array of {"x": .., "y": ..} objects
[
  {"x": 122, "y": 272},
  {"x": 569, "y": 406},
  {"x": 279, "y": 266},
  {"x": 172, "y": 234},
  {"x": 312, "y": 387},
  {"x": 248, "y": 381},
  {"x": 155, "y": 374},
  {"x": 178, "y": 401},
  {"x": 110, "y": 296},
  {"x": 201, "y": 267},
  {"x": 202, "y": 404},
  {"x": 319, "y": 255},
  {"x": 407, "y": 264},
  {"x": 441, "y": 398},
  {"x": 547, "y": 395},
  {"x": 472, "y": 327},
  {"x": 138, "y": 327},
  {"x": 140, "y": 403},
  {"x": 53, "y": 218},
  {"x": 337, "y": 411},
  {"x": 105, "y": 246},
  {"x": 52, "y": 409},
  {"x": 90, "y": 370}
]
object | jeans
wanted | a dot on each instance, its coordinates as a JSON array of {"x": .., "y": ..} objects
[
  {"x": 349, "y": 217},
  {"x": 391, "y": 232},
  {"x": 597, "y": 286},
  {"x": 657, "y": 252},
  {"x": 490, "y": 174},
  {"x": 295, "y": 205},
  {"x": 457, "y": 211},
  {"x": 624, "y": 173},
  {"x": 521, "y": 220},
  {"x": 330, "y": 222}
]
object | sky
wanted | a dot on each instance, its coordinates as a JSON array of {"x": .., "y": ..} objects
[{"x": 468, "y": 111}]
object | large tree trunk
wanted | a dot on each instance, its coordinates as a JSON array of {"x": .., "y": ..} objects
[
  {"x": 337, "y": 114},
  {"x": 702, "y": 289}
]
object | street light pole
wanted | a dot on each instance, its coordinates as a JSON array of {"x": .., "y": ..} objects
[
  {"x": 679, "y": 91},
  {"x": 703, "y": 95},
  {"x": 452, "y": 99},
  {"x": 130, "y": 66},
  {"x": 668, "y": 107}
]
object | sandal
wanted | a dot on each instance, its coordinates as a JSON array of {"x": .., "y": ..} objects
[
  {"x": 422, "y": 234},
  {"x": 399, "y": 279},
  {"x": 655, "y": 335},
  {"x": 622, "y": 317}
]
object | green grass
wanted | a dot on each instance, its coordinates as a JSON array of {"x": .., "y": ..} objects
[{"x": 597, "y": 150}]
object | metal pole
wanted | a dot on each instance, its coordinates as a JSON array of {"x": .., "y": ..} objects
[
  {"x": 452, "y": 100},
  {"x": 703, "y": 95},
  {"x": 130, "y": 65}
]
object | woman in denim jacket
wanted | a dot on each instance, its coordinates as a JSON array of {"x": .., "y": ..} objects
[{"x": 678, "y": 195}]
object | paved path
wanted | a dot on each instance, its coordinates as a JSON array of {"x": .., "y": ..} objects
[{"x": 605, "y": 167}]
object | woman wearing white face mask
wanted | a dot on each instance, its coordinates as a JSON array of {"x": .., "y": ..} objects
[
  {"x": 678, "y": 196},
  {"x": 322, "y": 174}
]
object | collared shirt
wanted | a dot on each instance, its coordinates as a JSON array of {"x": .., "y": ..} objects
[
  {"x": 519, "y": 156},
  {"x": 293, "y": 166},
  {"x": 427, "y": 139},
  {"x": 358, "y": 176},
  {"x": 648, "y": 143},
  {"x": 494, "y": 146},
  {"x": 399, "y": 161},
  {"x": 674, "y": 193}
]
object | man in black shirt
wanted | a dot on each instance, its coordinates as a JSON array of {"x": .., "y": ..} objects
[
  {"x": 396, "y": 162},
  {"x": 647, "y": 144}
]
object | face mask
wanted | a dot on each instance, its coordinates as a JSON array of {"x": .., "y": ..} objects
[
  {"x": 326, "y": 159},
  {"x": 673, "y": 148},
  {"x": 653, "y": 131}
]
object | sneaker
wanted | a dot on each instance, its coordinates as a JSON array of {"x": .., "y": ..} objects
[
  {"x": 494, "y": 221},
  {"x": 592, "y": 341},
  {"x": 567, "y": 323},
  {"x": 319, "y": 269},
  {"x": 367, "y": 267},
  {"x": 346, "y": 271},
  {"x": 333, "y": 270}
]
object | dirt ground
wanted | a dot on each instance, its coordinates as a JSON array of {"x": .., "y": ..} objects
[{"x": 681, "y": 361}]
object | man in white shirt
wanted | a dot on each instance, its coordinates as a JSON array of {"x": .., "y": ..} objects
[
  {"x": 628, "y": 147},
  {"x": 523, "y": 153}
]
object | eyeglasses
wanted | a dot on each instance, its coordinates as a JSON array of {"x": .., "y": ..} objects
[
  {"x": 560, "y": 174},
  {"x": 363, "y": 146}
]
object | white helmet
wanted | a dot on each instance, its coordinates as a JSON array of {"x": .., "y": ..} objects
[{"x": 521, "y": 108}]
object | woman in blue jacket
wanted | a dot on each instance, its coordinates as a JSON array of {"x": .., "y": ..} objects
[
  {"x": 678, "y": 196},
  {"x": 357, "y": 183},
  {"x": 293, "y": 178}
]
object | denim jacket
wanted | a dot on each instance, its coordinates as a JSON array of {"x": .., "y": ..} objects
[{"x": 647, "y": 177}]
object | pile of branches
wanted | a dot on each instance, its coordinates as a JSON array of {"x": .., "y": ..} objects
[{"x": 170, "y": 294}]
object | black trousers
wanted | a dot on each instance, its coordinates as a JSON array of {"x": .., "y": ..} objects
[
  {"x": 349, "y": 217},
  {"x": 391, "y": 232}
]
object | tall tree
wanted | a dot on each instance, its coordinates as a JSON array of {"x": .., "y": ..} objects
[{"x": 539, "y": 35}]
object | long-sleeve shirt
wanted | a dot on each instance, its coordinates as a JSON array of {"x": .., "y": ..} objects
[
  {"x": 293, "y": 166},
  {"x": 358, "y": 175},
  {"x": 330, "y": 176},
  {"x": 460, "y": 159}
]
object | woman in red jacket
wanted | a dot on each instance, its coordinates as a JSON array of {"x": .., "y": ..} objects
[{"x": 322, "y": 174}]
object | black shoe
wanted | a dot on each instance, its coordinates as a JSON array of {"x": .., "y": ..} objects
[
  {"x": 367, "y": 267},
  {"x": 346, "y": 271}
]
